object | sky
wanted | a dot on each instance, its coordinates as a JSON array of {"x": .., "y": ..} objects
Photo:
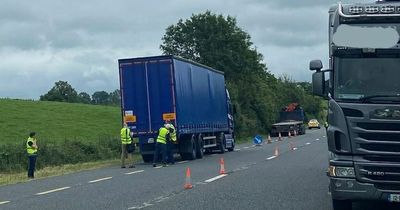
[{"x": 44, "y": 41}]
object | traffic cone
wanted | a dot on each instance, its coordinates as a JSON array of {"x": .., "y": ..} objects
[
  {"x": 276, "y": 153},
  {"x": 291, "y": 146},
  {"x": 222, "y": 163},
  {"x": 280, "y": 137},
  {"x": 269, "y": 141},
  {"x": 188, "y": 183},
  {"x": 289, "y": 135}
]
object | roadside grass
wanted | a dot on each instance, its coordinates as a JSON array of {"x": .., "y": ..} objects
[
  {"x": 14, "y": 177},
  {"x": 248, "y": 139},
  {"x": 56, "y": 121},
  {"x": 18, "y": 177}
]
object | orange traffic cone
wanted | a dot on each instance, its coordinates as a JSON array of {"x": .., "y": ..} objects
[
  {"x": 291, "y": 146},
  {"x": 269, "y": 141},
  {"x": 222, "y": 163},
  {"x": 276, "y": 153},
  {"x": 280, "y": 137},
  {"x": 188, "y": 183},
  {"x": 289, "y": 135}
]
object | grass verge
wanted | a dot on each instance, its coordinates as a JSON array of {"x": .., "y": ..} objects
[{"x": 18, "y": 177}]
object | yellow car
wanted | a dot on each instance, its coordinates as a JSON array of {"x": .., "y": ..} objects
[{"x": 313, "y": 123}]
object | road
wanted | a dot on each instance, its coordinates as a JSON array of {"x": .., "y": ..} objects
[{"x": 257, "y": 178}]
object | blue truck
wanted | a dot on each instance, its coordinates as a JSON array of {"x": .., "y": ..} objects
[{"x": 191, "y": 96}]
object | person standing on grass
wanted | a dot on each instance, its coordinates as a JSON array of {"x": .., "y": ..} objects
[
  {"x": 126, "y": 146},
  {"x": 31, "y": 148}
]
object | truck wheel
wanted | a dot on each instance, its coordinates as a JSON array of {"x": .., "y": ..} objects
[
  {"x": 341, "y": 204},
  {"x": 221, "y": 146},
  {"x": 200, "y": 147},
  {"x": 189, "y": 149},
  {"x": 233, "y": 146},
  {"x": 147, "y": 158},
  {"x": 192, "y": 145}
]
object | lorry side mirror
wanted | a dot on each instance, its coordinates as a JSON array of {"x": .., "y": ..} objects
[
  {"x": 316, "y": 65},
  {"x": 318, "y": 83}
]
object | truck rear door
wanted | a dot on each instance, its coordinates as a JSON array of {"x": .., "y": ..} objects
[{"x": 147, "y": 95}]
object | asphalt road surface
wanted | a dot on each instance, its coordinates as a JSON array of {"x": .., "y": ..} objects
[{"x": 288, "y": 174}]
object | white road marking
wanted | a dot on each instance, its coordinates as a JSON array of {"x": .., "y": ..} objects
[
  {"x": 134, "y": 172},
  {"x": 295, "y": 148},
  {"x": 237, "y": 149},
  {"x": 323, "y": 136},
  {"x": 141, "y": 207},
  {"x": 99, "y": 180},
  {"x": 215, "y": 178},
  {"x": 308, "y": 143},
  {"x": 158, "y": 167},
  {"x": 272, "y": 157},
  {"x": 4, "y": 202},
  {"x": 245, "y": 147},
  {"x": 185, "y": 161},
  {"x": 51, "y": 191}
]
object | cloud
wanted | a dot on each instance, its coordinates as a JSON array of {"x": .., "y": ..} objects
[{"x": 81, "y": 41}]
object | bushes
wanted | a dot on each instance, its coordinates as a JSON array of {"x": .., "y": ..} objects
[{"x": 13, "y": 157}]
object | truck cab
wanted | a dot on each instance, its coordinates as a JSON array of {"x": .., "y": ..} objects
[{"x": 363, "y": 89}]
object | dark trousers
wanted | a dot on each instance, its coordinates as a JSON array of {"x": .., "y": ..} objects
[
  {"x": 160, "y": 150},
  {"x": 170, "y": 152},
  {"x": 31, "y": 166}
]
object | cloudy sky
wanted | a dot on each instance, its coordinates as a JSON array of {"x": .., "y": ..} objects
[{"x": 44, "y": 41}]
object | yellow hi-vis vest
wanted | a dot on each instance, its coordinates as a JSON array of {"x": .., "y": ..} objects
[
  {"x": 162, "y": 135},
  {"x": 173, "y": 134},
  {"x": 30, "y": 149},
  {"x": 125, "y": 136}
]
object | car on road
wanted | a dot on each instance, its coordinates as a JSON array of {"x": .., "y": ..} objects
[{"x": 313, "y": 123}]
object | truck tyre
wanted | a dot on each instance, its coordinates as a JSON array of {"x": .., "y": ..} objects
[
  {"x": 147, "y": 158},
  {"x": 200, "y": 147},
  {"x": 233, "y": 146},
  {"x": 221, "y": 145},
  {"x": 341, "y": 204},
  {"x": 191, "y": 147}
]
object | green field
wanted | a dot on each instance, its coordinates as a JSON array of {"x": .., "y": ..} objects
[
  {"x": 55, "y": 121},
  {"x": 66, "y": 133}
]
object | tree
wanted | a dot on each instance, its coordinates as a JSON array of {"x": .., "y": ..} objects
[
  {"x": 62, "y": 91},
  {"x": 84, "y": 98},
  {"x": 100, "y": 98},
  {"x": 217, "y": 41},
  {"x": 115, "y": 97}
]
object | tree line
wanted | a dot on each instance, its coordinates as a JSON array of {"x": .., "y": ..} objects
[
  {"x": 217, "y": 41},
  {"x": 64, "y": 92}
]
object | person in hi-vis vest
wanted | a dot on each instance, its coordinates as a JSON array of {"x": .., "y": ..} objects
[
  {"x": 161, "y": 145},
  {"x": 171, "y": 143},
  {"x": 31, "y": 149},
  {"x": 126, "y": 142}
]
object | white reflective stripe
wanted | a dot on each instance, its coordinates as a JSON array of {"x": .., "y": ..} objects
[
  {"x": 98, "y": 180},
  {"x": 55, "y": 190},
  {"x": 215, "y": 178},
  {"x": 134, "y": 172}
]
